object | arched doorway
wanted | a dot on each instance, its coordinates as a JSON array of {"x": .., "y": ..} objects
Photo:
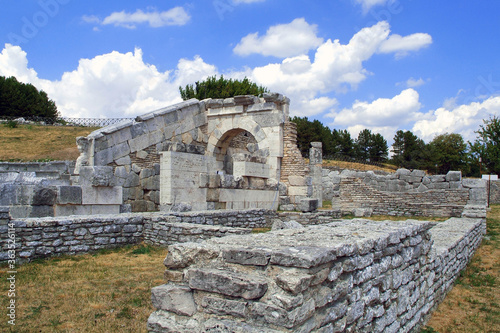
[{"x": 236, "y": 144}]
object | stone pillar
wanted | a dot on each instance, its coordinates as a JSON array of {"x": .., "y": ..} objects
[{"x": 316, "y": 170}]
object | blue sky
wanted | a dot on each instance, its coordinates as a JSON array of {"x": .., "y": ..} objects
[{"x": 427, "y": 66}]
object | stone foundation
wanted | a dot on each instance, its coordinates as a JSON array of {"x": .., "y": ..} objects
[{"x": 344, "y": 276}]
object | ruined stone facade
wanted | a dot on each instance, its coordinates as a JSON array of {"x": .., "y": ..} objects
[{"x": 344, "y": 276}]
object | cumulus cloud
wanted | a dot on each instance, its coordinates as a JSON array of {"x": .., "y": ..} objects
[
  {"x": 122, "y": 84},
  {"x": 110, "y": 85},
  {"x": 383, "y": 115},
  {"x": 401, "y": 46},
  {"x": 451, "y": 118},
  {"x": 335, "y": 67},
  {"x": 155, "y": 19},
  {"x": 282, "y": 40}
]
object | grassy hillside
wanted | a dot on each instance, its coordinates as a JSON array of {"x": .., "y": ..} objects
[{"x": 33, "y": 142}]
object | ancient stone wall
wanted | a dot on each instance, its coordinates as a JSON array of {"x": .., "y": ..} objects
[
  {"x": 49, "y": 236},
  {"x": 403, "y": 193},
  {"x": 293, "y": 164},
  {"x": 495, "y": 192},
  {"x": 345, "y": 276}
]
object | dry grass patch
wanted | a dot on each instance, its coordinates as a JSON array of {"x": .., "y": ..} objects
[
  {"x": 473, "y": 305},
  {"x": 358, "y": 166},
  {"x": 109, "y": 291},
  {"x": 34, "y": 142}
]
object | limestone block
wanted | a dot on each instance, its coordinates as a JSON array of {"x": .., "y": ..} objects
[
  {"x": 102, "y": 195},
  {"x": 454, "y": 176},
  {"x": 297, "y": 190},
  {"x": 250, "y": 169},
  {"x": 120, "y": 150},
  {"x": 8, "y": 194},
  {"x": 402, "y": 172},
  {"x": 259, "y": 107},
  {"x": 177, "y": 299},
  {"x": 139, "y": 143},
  {"x": 123, "y": 160},
  {"x": 227, "y": 283},
  {"x": 296, "y": 181},
  {"x": 141, "y": 154},
  {"x": 473, "y": 183},
  {"x": 42, "y": 211},
  {"x": 277, "y": 316},
  {"x": 44, "y": 197},
  {"x": 308, "y": 205},
  {"x": 103, "y": 157},
  {"x": 221, "y": 306},
  {"x": 246, "y": 99},
  {"x": 246, "y": 256},
  {"x": 437, "y": 178},
  {"x": 120, "y": 136},
  {"x": 132, "y": 180},
  {"x": 96, "y": 176},
  {"x": 69, "y": 195},
  {"x": 138, "y": 129},
  {"x": 294, "y": 282}
]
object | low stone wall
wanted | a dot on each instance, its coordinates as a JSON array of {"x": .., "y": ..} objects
[
  {"x": 345, "y": 276},
  {"x": 52, "y": 169},
  {"x": 403, "y": 193},
  {"x": 50, "y": 236},
  {"x": 318, "y": 217},
  {"x": 495, "y": 192}
]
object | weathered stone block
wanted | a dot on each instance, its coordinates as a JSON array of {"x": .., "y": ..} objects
[
  {"x": 308, "y": 205},
  {"x": 227, "y": 283},
  {"x": 294, "y": 282},
  {"x": 69, "y": 195},
  {"x": 102, "y": 195},
  {"x": 44, "y": 197},
  {"x": 177, "y": 299},
  {"x": 244, "y": 256},
  {"x": 96, "y": 176},
  {"x": 454, "y": 176},
  {"x": 221, "y": 306}
]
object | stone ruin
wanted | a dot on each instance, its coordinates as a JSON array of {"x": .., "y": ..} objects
[
  {"x": 198, "y": 176},
  {"x": 196, "y": 155}
]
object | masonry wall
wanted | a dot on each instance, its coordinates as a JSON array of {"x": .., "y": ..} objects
[
  {"x": 403, "y": 193},
  {"x": 345, "y": 276},
  {"x": 495, "y": 192},
  {"x": 51, "y": 236}
]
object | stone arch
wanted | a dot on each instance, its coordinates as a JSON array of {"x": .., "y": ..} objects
[
  {"x": 235, "y": 141},
  {"x": 226, "y": 130}
]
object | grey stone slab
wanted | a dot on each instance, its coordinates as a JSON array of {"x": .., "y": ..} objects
[
  {"x": 177, "y": 299},
  {"x": 246, "y": 256},
  {"x": 69, "y": 195},
  {"x": 227, "y": 283},
  {"x": 44, "y": 197}
]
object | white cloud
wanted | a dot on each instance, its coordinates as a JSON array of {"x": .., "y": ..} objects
[
  {"x": 412, "y": 83},
  {"x": 336, "y": 67},
  {"x": 463, "y": 119},
  {"x": 122, "y": 84},
  {"x": 368, "y": 4},
  {"x": 282, "y": 40},
  {"x": 155, "y": 19},
  {"x": 401, "y": 46},
  {"x": 382, "y": 116},
  {"x": 110, "y": 85}
]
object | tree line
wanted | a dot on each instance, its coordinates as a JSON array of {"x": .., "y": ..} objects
[
  {"x": 445, "y": 152},
  {"x": 24, "y": 100}
]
